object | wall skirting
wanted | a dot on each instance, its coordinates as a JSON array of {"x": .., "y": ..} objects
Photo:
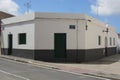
[{"x": 72, "y": 55}]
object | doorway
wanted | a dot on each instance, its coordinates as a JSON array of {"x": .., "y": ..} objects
[
  {"x": 60, "y": 45},
  {"x": 106, "y": 46},
  {"x": 10, "y": 44}
]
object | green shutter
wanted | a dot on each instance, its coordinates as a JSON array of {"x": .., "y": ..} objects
[{"x": 22, "y": 38}]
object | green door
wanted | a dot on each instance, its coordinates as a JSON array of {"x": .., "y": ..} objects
[
  {"x": 10, "y": 44},
  {"x": 60, "y": 45},
  {"x": 106, "y": 46}
]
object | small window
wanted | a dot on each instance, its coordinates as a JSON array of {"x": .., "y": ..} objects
[
  {"x": 110, "y": 41},
  {"x": 99, "y": 40},
  {"x": 114, "y": 41},
  {"x": 22, "y": 38},
  {"x": 72, "y": 27}
]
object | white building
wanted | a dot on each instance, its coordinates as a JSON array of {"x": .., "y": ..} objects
[
  {"x": 118, "y": 44},
  {"x": 58, "y": 37},
  {"x": 3, "y": 15}
]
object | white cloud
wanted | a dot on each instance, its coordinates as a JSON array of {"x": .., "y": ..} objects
[
  {"x": 106, "y": 7},
  {"x": 9, "y": 6}
]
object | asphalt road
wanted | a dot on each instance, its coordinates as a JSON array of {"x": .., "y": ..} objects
[{"x": 12, "y": 70}]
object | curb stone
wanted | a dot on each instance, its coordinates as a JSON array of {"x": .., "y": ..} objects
[
  {"x": 103, "y": 76},
  {"x": 29, "y": 61}
]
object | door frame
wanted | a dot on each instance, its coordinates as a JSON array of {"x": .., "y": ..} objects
[
  {"x": 10, "y": 44},
  {"x": 106, "y": 46},
  {"x": 65, "y": 55}
]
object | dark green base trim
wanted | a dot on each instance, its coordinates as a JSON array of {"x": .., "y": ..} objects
[
  {"x": 20, "y": 53},
  {"x": 112, "y": 51},
  {"x": 72, "y": 55},
  {"x": 48, "y": 55},
  {"x": 75, "y": 56},
  {"x": 44, "y": 55},
  {"x": 94, "y": 54}
]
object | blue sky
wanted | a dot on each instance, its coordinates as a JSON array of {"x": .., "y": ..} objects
[
  {"x": 107, "y": 10},
  {"x": 66, "y": 6}
]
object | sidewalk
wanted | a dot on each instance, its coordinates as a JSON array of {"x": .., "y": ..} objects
[{"x": 107, "y": 67}]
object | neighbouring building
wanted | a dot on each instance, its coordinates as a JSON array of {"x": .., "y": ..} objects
[
  {"x": 3, "y": 15},
  {"x": 58, "y": 37},
  {"x": 118, "y": 44}
]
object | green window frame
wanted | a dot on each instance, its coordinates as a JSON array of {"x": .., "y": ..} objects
[
  {"x": 99, "y": 40},
  {"x": 110, "y": 41},
  {"x": 114, "y": 41},
  {"x": 22, "y": 38},
  {"x": 72, "y": 26}
]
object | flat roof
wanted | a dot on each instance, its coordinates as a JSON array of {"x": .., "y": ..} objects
[
  {"x": 42, "y": 15},
  {"x": 4, "y": 15}
]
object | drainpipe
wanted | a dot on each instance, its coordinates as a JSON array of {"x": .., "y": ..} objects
[
  {"x": 0, "y": 25},
  {"x": 76, "y": 40},
  {"x": 0, "y": 37}
]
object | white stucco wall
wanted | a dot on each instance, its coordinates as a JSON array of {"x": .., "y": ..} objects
[
  {"x": 95, "y": 29},
  {"x": 118, "y": 45},
  {"x": 40, "y": 29},
  {"x": 45, "y": 29},
  {"x": 15, "y": 29},
  {"x": 81, "y": 34},
  {"x": 80, "y": 38}
]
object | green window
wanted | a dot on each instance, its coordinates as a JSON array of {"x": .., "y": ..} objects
[
  {"x": 71, "y": 26},
  {"x": 22, "y": 38},
  {"x": 110, "y": 41},
  {"x": 99, "y": 40},
  {"x": 114, "y": 41}
]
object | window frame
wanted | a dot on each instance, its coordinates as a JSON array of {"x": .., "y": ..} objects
[
  {"x": 110, "y": 41},
  {"x": 72, "y": 27},
  {"x": 22, "y": 38},
  {"x": 99, "y": 40},
  {"x": 114, "y": 41}
]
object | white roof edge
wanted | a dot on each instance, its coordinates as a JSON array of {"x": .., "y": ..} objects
[
  {"x": 32, "y": 16},
  {"x": 17, "y": 19},
  {"x": 59, "y": 15},
  {"x": 102, "y": 24}
]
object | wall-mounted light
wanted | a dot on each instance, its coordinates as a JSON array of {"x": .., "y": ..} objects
[
  {"x": 86, "y": 27},
  {"x": 107, "y": 29},
  {"x": 89, "y": 20}
]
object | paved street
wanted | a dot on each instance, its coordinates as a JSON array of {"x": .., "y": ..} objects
[{"x": 12, "y": 70}]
